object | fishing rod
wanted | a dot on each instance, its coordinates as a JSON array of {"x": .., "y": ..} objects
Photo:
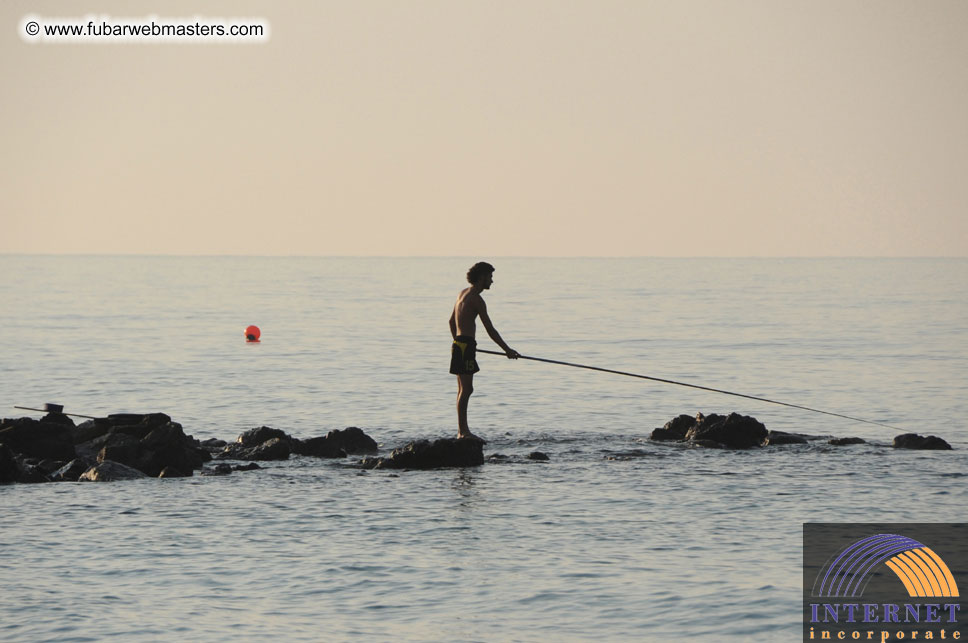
[{"x": 697, "y": 386}]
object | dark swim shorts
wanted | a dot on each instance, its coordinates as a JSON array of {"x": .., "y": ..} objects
[{"x": 463, "y": 356}]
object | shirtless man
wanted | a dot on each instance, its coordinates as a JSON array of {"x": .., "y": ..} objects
[{"x": 463, "y": 362}]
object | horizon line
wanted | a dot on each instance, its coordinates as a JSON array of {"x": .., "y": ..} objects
[{"x": 497, "y": 256}]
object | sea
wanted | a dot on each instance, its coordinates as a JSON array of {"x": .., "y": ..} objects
[{"x": 613, "y": 538}]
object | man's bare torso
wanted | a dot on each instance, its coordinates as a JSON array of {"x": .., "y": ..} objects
[{"x": 466, "y": 310}]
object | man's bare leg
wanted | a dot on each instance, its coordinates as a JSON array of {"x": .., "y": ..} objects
[{"x": 465, "y": 386}]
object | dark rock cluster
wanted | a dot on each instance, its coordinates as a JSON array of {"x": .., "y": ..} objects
[
  {"x": 266, "y": 443},
  {"x": 743, "y": 432},
  {"x": 128, "y": 446},
  {"x": 121, "y": 446},
  {"x": 733, "y": 431}
]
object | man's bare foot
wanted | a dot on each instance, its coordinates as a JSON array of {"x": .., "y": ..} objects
[{"x": 471, "y": 436}]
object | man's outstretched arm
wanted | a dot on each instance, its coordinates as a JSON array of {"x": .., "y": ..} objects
[{"x": 496, "y": 336}]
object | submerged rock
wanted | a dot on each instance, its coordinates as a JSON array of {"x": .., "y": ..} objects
[
  {"x": 220, "y": 469},
  {"x": 915, "y": 441},
  {"x": 71, "y": 471},
  {"x": 538, "y": 455},
  {"x": 839, "y": 442},
  {"x": 108, "y": 471},
  {"x": 172, "y": 472},
  {"x": 424, "y": 454},
  {"x": 774, "y": 438}
]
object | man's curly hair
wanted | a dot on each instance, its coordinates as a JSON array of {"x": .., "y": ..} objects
[{"x": 478, "y": 270}]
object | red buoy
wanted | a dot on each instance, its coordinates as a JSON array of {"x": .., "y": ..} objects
[{"x": 252, "y": 334}]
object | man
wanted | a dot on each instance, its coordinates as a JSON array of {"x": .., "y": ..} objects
[{"x": 463, "y": 362}]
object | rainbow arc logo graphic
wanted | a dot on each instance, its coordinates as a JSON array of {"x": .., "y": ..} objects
[{"x": 922, "y": 571}]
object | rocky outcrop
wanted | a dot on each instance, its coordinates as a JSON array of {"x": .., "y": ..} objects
[
  {"x": 149, "y": 443},
  {"x": 424, "y": 454},
  {"x": 733, "y": 431},
  {"x": 915, "y": 441}
]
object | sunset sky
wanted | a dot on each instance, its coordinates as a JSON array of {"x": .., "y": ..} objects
[{"x": 531, "y": 127}]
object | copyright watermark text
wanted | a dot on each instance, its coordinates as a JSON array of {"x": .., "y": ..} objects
[{"x": 148, "y": 29}]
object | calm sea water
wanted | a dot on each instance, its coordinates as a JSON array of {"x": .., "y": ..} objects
[{"x": 615, "y": 538}]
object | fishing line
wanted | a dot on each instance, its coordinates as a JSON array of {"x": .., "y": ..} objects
[{"x": 697, "y": 386}]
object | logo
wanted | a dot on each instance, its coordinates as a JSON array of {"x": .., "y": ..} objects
[{"x": 884, "y": 582}]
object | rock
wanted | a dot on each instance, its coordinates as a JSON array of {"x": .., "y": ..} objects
[
  {"x": 337, "y": 444},
  {"x": 150, "y": 445},
  {"x": 323, "y": 447},
  {"x": 774, "y": 438},
  {"x": 57, "y": 418},
  {"x": 35, "y": 439},
  {"x": 220, "y": 469},
  {"x": 538, "y": 455},
  {"x": 9, "y": 467},
  {"x": 172, "y": 472},
  {"x": 124, "y": 419},
  {"x": 49, "y": 466},
  {"x": 252, "y": 466},
  {"x": 353, "y": 440},
  {"x": 708, "y": 444},
  {"x": 32, "y": 473},
  {"x": 127, "y": 454},
  {"x": 87, "y": 431},
  {"x": 423, "y": 454},
  {"x": 108, "y": 471},
  {"x": 71, "y": 471},
  {"x": 255, "y": 437},
  {"x": 915, "y": 441},
  {"x": 674, "y": 429},
  {"x": 274, "y": 449},
  {"x": 734, "y": 431},
  {"x": 213, "y": 443},
  {"x": 263, "y": 443},
  {"x": 839, "y": 442}
]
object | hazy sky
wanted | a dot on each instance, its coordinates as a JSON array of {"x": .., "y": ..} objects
[{"x": 526, "y": 127}]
